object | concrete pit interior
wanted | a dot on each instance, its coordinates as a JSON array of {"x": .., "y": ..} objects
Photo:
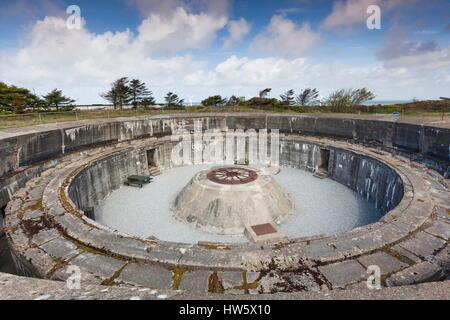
[
  {"x": 338, "y": 199},
  {"x": 183, "y": 205}
]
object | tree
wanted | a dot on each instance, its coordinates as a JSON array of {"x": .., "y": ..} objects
[
  {"x": 264, "y": 93},
  {"x": 55, "y": 99},
  {"x": 288, "y": 97},
  {"x": 359, "y": 96},
  {"x": 342, "y": 100},
  {"x": 15, "y": 99},
  {"x": 140, "y": 94},
  {"x": 307, "y": 96},
  {"x": 172, "y": 100},
  {"x": 148, "y": 102},
  {"x": 234, "y": 101},
  {"x": 339, "y": 100},
  {"x": 119, "y": 94},
  {"x": 216, "y": 100}
]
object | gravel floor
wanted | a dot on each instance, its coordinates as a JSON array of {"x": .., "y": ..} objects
[{"x": 321, "y": 206}]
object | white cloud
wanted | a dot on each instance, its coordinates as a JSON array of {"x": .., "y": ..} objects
[
  {"x": 284, "y": 36},
  {"x": 398, "y": 52},
  {"x": 251, "y": 72},
  {"x": 419, "y": 59},
  {"x": 237, "y": 30},
  {"x": 348, "y": 13},
  {"x": 26, "y": 9},
  {"x": 179, "y": 31},
  {"x": 246, "y": 76},
  {"x": 83, "y": 64},
  {"x": 174, "y": 25}
]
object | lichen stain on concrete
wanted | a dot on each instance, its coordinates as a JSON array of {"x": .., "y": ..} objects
[
  {"x": 215, "y": 284},
  {"x": 177, "y": 275}
]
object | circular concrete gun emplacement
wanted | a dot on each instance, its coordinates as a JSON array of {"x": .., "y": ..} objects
[
  {"x": 227, "y": 200},
  {"x": 339, "y": 199}
]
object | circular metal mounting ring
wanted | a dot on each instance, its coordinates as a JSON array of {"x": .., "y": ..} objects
[{"x": 232, "y": 176}]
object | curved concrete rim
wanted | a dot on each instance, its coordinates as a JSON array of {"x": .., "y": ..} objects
[{"x": 137, "y": 248}]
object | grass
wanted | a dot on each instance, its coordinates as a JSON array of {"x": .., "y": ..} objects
[
  {"x": 29, "y": 119},
  {"x": 432, "y": 110}
]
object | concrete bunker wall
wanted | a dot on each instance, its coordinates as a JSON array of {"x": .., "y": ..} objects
[
  {"x": 18, "y": 151},
  {"x": 370, "y": 178},
  {"x": 97, "y": 181}
]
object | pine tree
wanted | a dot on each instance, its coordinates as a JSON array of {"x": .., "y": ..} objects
[
  {"x": 264, "y": 93},
  {"x": 119, "y": 94},
  {"x": 15, "y": 99},
  {"x": 288, "y": 97},
  {"x": 307, "y": 96},
  {"x": 172, "y": 100},
  {"x": 216, "y": 100},
  {"x": 55, "y": 99},
  {"x": 139, "y": 94},
  {"x": 234, "y": 101}
]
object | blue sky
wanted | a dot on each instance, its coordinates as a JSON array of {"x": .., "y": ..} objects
[{"x": 198, "y": 48}]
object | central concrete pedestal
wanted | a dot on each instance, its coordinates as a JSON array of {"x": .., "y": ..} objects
[{"x": 226, "y": 200}]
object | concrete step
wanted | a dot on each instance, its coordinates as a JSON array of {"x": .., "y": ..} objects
[
  {"x": 263, "y": 232},
  {"x": 154, "y": 171},
  {"x": 320, "y": 174}
]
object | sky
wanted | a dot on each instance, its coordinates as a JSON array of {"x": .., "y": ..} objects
[{"x": 198, "y": 48}]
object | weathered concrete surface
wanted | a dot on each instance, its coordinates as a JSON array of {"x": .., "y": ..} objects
[
  {"x": 420, "y": 217},
  {"x": 342, "y": 274},
  {"x": 387, "y": 263},
  {"x": 315, "y": 263},
  {"x": 19, "y": 288}
]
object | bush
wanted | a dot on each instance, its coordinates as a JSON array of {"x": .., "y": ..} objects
[
  {"x": 214, "y": 101},
  {"x": 261, "y": 102},
  {"x": 5, "y": 113},
  {"x": 346, "y": 100}
]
